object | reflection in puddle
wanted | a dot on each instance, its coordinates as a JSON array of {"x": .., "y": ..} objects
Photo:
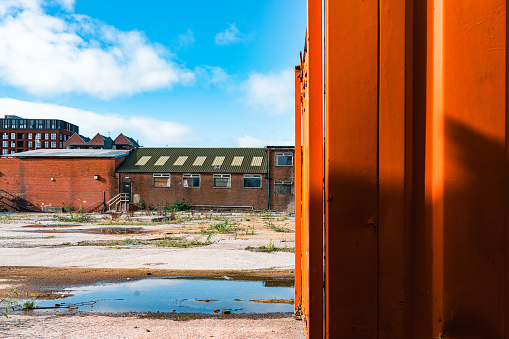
[
  {"x": 181, "y": 295},
  {"x": 110, "y": 230}
]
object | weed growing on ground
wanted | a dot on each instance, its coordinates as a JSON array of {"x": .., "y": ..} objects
[
  {"x": 271, "y": 247},
  {"x": 8, "y": 303},
  {"x": 29, "y": 304},
  {"x": 73, "y": 217},
  {"x": 178, "y": 206},
  {"x": 224, "y": 227},
  {"x": 15, "y": 217},
  {"x": 182, "y": 242},
  {"x": 277, "y": 229}
]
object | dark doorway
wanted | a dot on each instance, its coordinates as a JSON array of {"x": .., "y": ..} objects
[{"x": 126, "y": 188}]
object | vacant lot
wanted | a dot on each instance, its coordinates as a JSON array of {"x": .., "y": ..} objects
[{"x": 42, "y": 253}]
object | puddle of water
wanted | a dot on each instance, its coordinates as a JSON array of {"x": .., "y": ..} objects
[
  {"x": 181, "y": 295},
  {"x": 116, "y": 230}
]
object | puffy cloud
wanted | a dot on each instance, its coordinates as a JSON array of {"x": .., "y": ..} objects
[
  {"x": 149, "y": 131},
  {"x": 272, "y": 93},
  {"x": 248, "y": 141},
  {"x": 231, "y": 35},
  {"x": 49, "y": 55}
]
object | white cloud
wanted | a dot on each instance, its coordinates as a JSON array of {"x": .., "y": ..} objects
[
  {"x": 271, "y": 93},
  {"x": 231, "y": 35},
  {"x": 248, "y": 141},
  {"x": 211, "y": 75},
  {"x": 66, "y": 4},
  {"x": 50, "y": 55},
  {"x": 149, "y": 131}
]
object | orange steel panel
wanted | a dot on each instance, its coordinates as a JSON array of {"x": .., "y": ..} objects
[
  {"x": 351, "y": 168},
  {"x": 312, "y": 197},
  {"x": 474, "y": 191},
  {"x": 391, "y": 139},
  {"x": 416, "y": 160},
  {"x": 298, "y": 198},
  {"x": 305, "y": 195}
]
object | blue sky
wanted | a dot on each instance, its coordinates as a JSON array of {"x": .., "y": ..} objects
[{"x": 177, "y": 73}]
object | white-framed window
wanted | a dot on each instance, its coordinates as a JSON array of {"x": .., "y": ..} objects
[
  {"x": 13, "y": 135},
  {"x": 37, "y": 136},
  {"x": 53, "y": 136},
  {"x": 5, "y": 151},
  {"x": 13, "y": 151},
  {"x": 29, "y": 144},
  {"x": 46, "y": 144},
  {"x": 5, "y": 136},
  {"x": 282, "y": 187},
  {"x": 61, "y": 144},
  {"x": 53, "y": 144},
  {"x": 29, "y": 136},
  {"x": 61, "y": 136},
  {"x": 161, "y": 180},
  {"x": 46, "y": 136},
  {"x": 13, "y": 144},
  {"x": 252, "y": 181},
  {"x": 222, "y": 180},
  {"x": 190, "y": 180},
  {"x": 284, "y": 159},
  {"x": 5, "y": 143}
]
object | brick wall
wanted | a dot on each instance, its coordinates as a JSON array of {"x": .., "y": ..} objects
[
  {"x": 282, "y": 202},
  {"x": 143, "y": 189},
  {"x": 206, "y": 194},
  {"x": 74, "y": 185}
]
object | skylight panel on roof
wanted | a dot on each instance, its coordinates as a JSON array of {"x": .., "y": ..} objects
[
  {"x": 180, "y": 160},
  {"x": 162, "y": 160},
  {"x": 199, "y": 161},
  {"x": 143, "y": 160},
  {"x": 257, "y": 161},
  {"x": 237, "y": 161},
  {"x": 218, "y": 161}
]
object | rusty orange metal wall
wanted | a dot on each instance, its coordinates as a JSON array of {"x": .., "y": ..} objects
[
  {"x": 312, "y": 183},
  {"x": 415, "y": 169},
  {"x": 298, "y": 193}
]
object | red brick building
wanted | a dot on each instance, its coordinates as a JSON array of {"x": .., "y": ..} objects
[
  {"x": 261, "y": 178},
  {"x": 73, "y": 178},
  {"x": 19, "y": 135}
]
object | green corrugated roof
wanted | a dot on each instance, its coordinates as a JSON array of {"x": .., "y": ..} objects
[{"x": 148, "y": 165}]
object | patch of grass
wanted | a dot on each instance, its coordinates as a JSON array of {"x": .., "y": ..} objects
[
  {"x": 48, "y": 237},
  {"x": 74, "y": 217},
  {"x": 271, "y": 247},
  {"x": 176, "y": 220},
  {"x": 167, "y": 242},
  {"x": 224, "y": 227},
  {"x": 183, "y": 243},
  {"x": 15, "y": 217},
  {"x": 178, "y": 206},
  {"x": 277, "y": 229}
]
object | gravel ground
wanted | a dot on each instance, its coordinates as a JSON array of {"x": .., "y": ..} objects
[{"x": 23, "y": 326}]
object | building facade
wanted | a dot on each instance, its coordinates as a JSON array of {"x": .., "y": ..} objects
[
  {"x": 257, "y": 178},
  {"x": 60, "y": 178},
  {"x": 20, "y": 135}
]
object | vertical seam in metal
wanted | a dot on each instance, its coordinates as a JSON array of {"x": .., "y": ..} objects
[{"x": 378, "y": 178}]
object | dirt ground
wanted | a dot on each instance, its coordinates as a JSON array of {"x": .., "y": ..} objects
[{"x": 43, "y": 254}]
